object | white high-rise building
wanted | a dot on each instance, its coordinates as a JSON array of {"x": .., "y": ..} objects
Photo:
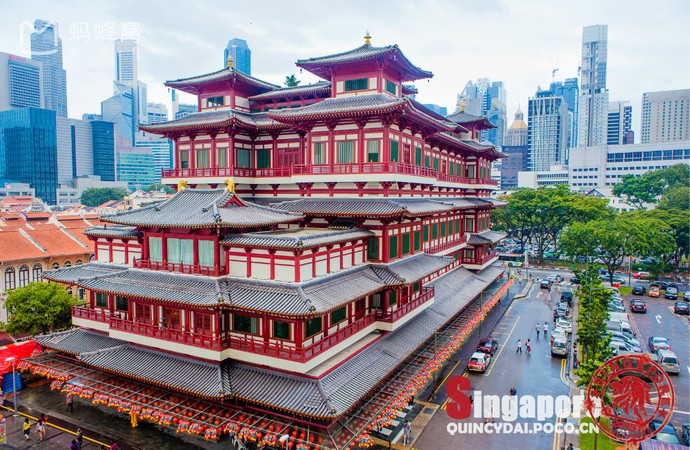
[
  {"x": 547, "y": 131},
  {"x": 665, "y": 116},
  {"x": 126, "y": 65},
  {"x": 619, "y": 124},
  {"x": 594, "y": 97}
]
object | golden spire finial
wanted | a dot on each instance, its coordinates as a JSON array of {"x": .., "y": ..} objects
[
  {"x": 181, "y": 185},
  {"x": 230, "y": 185},
  {"x": 230, "y": 62},
  {"x": 367, "y": 38}
]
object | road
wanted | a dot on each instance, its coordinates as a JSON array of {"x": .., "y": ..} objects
[{"x": 536, "y": 374}]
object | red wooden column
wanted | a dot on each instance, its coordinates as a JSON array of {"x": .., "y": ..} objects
[
  {"x": 231, "y": 149},
  {"x": 302, "y": 151},
  {"x": 385, "y": 253},
  {"x": 299, "y": 333},
  {"x": 265, "y": 329},
  {"x": 361, "y": 153},
  {"x": 274, "y": 149},
  {"x": 177, "y": 152},
  {"x": 309, "y": 151},
  {"x": 272, "y": 266},
  {"x": 192, "y": 153},
  {"x": 328, "y": 258},
  {"x": 110, "y": 249},
  {"x": 213, "y": 156},
  {"x": 331, "y": 142},
  {"x": 126, "y": 242},
  {"x": 248, "y": 251},
  {"x": 324, "y": 324},
  {"x": 196, "y": 251}
]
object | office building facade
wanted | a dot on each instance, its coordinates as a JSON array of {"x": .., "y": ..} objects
[
  {"x": 28, "y": 149},
  {"x": 46, "y": 48},
  {"x": 594, "y": 97},
  {"x": 516, "y": 150},
  {"x": 20, "y": 82},
  {"x": 547, "y": 131},
  {"x": 494, "y": 109},
  {"x": 666, "y": 116},
  {"x": 238, "y": 51},
  {"x": 85, "y": 148},
  {"x": 570, "y": 92},
  {"x": 619, "y": 124},
  {"x": 137, "y": 168}
]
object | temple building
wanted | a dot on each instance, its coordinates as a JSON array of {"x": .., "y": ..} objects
[{"x": 319, "y": 236}]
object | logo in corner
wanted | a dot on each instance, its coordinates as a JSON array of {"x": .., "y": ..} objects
[{"x": 630, "y": 398}]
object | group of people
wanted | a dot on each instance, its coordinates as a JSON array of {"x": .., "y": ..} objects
[
  {"x": 528, "y": 344},
  {"x": 41, "y": 429}
]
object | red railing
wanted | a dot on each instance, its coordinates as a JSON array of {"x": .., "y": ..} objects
[
  {"x": 480, "y": 262},
  {"x": 446, "y": 245},
  {"x": 227, "y": 172},
  {"x": 176, "y": 267},
  {"x": 363, "y": 168},
  {"x": 197, "y": 339},
  {"x": 426, "y": 295},
  {"x": 90, "y": 314}
]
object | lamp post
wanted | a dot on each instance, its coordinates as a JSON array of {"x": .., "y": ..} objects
[{"x": 12, "y": 360}]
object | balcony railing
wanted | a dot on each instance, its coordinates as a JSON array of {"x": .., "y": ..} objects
[
  {"x": 177, "y": 267},
  {"x": 446, "y": 245},
  {"x": 197, "y": 339},
  {"x": 479, "y": 262},
  {"x": 325, "y": 169},
  {"x": 426, "y": 295},
  {"x": 98, "y": 315}
]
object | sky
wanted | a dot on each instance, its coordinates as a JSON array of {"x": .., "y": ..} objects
[{"x": 519, "y": 42}]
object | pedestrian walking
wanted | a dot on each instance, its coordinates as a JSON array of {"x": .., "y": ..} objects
[
  {"x": 113, "y": 445},
  {"x": 70, "y": 402},
  {"x": 27, "y": 428},
  {"x": 513, "y": 396},
  {"x": 538, "y": 329},
  {"x": 546, "y": 328},
  {"x": 410, "y": 401},
  {"x": 41, "y": 428},
  {"x": 407, "y": 428},
  {"x": 528, "y": 344},
  {"x": 80, "y": 437},
  {"x": 74, "y": 445},
  {"x": 519, "y": 347}
]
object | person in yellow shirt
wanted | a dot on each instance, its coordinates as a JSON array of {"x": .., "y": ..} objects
[{"x": 27, "y": 429}]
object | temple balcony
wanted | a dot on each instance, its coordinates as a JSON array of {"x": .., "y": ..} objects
[
  {"x": 448, "y": 246},
  {"x": 189, "y": 269},
  {"x": 480, "y": 263}
]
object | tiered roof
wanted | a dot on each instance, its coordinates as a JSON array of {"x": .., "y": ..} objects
[
  {"x": 203, "y": 208},
  {"x": 220, "y": 80},
  {"x": 485, "y": 238},
  {"x": 470, "y": 120},
  {"x": 300, "y": 238},
  {"x": 224, "y": 118},
  {"x": 391, "y": 57},
  {"x": 320, "y": 88}
]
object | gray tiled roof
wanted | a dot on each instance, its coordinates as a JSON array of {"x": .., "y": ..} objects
[
  {"x": 203, "y": 208},
  {"x": 113, "y": 231},
  {"x": 485, "y": 237},
  {"x": 465, "y": 118},
  {"x": 71, "y": 275},
  {"x": 219, "y": 75},
  {"x": 349, "y": 105},
  {"x": 217, "y": 118},
  {"x": 477, "y": 145},
  {"x": 284, "y": 239},
  {"x": 364, "y": 206},
  {"x": 324, "y": 86},
  {"x": 77, "y": 340},
  {"x": 419, "y": 266}
]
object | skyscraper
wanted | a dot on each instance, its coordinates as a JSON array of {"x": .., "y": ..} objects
[
  {"x": 127, "y": 76},
  {"x": 516, "y": 150},
  {"x": 547, "y": 131},
  {"x": 156, "y": 113},
  {"x": 471, "y": 99},
  {"x": 594, "y": 97},
  {"x": 619, "y": 123},
  {"x": 85, "y": 148},
  {"x": 28, "y": 150},
  {"x": 665, "y": 116},
  {"x": 238, "y": 50},
  {"x": 46, "y": 47},
  {"x": 494, "y": 109},
  {"x": 517, "y": 133},
  {"x": 570, "y": 91},
  {"x": 20, "y": 82}
]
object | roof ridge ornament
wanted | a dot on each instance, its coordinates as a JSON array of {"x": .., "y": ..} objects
[
  {"x": 230, "y": 62},
  {"x": 181, "y": 185},
  {"x": 230, "y": 185},
  {"x": 367, "y": 38}
]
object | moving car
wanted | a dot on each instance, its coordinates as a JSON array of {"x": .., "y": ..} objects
[
  {"x": 479, "y": 362},
  {"x": 681, "y": 308},
  {"x": 559, "y": 346},
  {"x": 488, "y": 345},
  {"x": 668, "y": 360},
  {"x": 654, "y": 291},
  {"x": 641, "y": 275},
  {"x": 638, "y": 305},
  {"x": 671, "y": 292},
  {"x": 657, "y": 343},
  {"x": 564, "y": 324},
  {"x": 575, "y": 280},
  {"x": 639, "y": 290},
  {"x": 667, "y": 434},
  {"x": 545, "y": 284}
]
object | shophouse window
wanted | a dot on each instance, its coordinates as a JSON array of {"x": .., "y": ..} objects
[
  {"x": 10, "y": 279},
  {"x": 37, "y": 272},
  {"x": 23, "y": 275}
]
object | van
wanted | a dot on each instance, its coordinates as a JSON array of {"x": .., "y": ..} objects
[
  {"x": 668, "y": 360},
  {"x": 559, "y": 347},
  {"x": 613, "y": 325},
  {"x": 626, "y": 330}
]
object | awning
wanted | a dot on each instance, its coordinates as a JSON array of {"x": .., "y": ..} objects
[{"x": 19, "y": 351}]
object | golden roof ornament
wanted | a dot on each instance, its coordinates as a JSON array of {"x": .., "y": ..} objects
[
  {"x": 230, "y": 185},
  {"x": 367, "y": 38},
  {"x": 230, "y": 62},
  {"x": 181, "y": 185}
]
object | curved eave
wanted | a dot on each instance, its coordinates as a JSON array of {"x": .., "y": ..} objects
[
  {"x": 196, "y": 84},
  {"x": 162, "y": 128},
  {"x": 282, "y": 408},
  {"x": 211, "y": 224},
  {"x": 299, "y": 116}
]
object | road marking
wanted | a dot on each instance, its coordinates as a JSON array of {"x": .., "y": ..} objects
[
  {"x": 493, "y": 363},
  {"x": 446, "y": 378},
  {"x": 557, "y": 436},
  {"x": 445, "y": 404},
  {"x": 658, "y": 318}
]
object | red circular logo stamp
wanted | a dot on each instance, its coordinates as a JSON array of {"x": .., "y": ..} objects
[{"x": 630, "y": 398}]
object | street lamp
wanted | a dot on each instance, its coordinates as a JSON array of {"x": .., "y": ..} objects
[{"x": 11, "y": 360}]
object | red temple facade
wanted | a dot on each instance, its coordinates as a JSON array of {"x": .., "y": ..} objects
[{"x": 310, "y": 226}]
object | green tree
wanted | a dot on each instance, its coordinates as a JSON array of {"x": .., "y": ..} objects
[
  {"x": 673, "y": 176},
  {"x": 638, "y": 190},
  {"x": 159, "y": 187},
  {"x": 291, "y": 81},
  {"x": 97, "y": 196},
  {"x": 38, "y": 308},
  {"x": 610, "y": 240},
  {"x": 678, "y": 221}
]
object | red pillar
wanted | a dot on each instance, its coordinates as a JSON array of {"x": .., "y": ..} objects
[
  {"x": 299, "y": 333},
  {"x": 249, "y": 262},
  {"x": 110, "y": 250},
  {"x": 265, "y": 328},
  {"x": 231, "y": 150},
  {"x": 192, "y": 154},
  {"x": 308, "y": 154},
  {"x": 196, "y": 251},
  {"x": 361, "y": 155},
  {"x": 272, "y": 264},
  {"x": 213, "y": 156},
  {"x": 384, "y": 247},
  {"x": 386, "y": 157}
]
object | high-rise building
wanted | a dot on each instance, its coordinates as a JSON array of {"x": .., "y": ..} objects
[
  {"x": 137, "y": 168},
  {"x": 185, "y": 109},
  {"x": 238, "y": 50},
  {"x": 471, "y": 99},
  {"x": 28, "y": 149},
  {"x": 85, "y": 148},
  {"x": 547, "y": 131},
  {"x": 494, "y": 109},
  {"x": 665, "y": 116},
  {"x": 119, "y": 109},
  {"x": 46, "y": 48},
  {"x": 156, "y": 113},
  {"x": 516, "y": 150},
  {"x": 20, "y": 82},
  {"x": 103, "y": 138},
  {"x": 127, "y": 75},
  {"x": 619, "y": 123},
  {"x": 570, "y": 91},
  {"x": 594, "y": 97},
  {"x": 517, "y": 133}
]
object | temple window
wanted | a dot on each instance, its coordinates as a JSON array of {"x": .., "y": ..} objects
[
  {"x": 359, "y": 84},
  {"x": 373, "y": 150},
  {"x": 442, "y": 225},
  {"x": 101, "y": 300},
  {"x": 469, "y": 225},
  {"x": 377, "y": 301},
  {"x": 184, "y": 159},
  {"x": 427, "y": 161},
  {"x": 155, "y": 249},
  {"x": 373, "y": 248},
  {"x": 393, "y": 247},
  {"x": 312, "y": 327},
  {"x": 281, "y": 330},
  {"x": 434, "y": 231},
  {"x": 319, "y": 153},
  {"x": 212, "y": 102},
  {"x": 121, "y": 303},
  {"x": 245, "y": 324},
  {"x": 243, "y": 159},
  {"x": 392, "y": 298},
  {"x": 222, "y": 157},
  {"x": 263, "y": 159},
  {"x": 426, "y": 233},
  {"x": 338, "y": 315},
  {"x": 417, "y": 242},
  {"x": 346, "y": 152},
  {"x": 181, "y": 251},
  {"x": 395, "y": 157},
  {"x": 436, "y": 164},
  {"x": 391, "y": 87},
  {"x": 202, "y": 322},
  {"x": 206, "y": 253},
  {"x": 202, "y": 160},
  {"x": 418, "y": 156},
  {"x": 405, "y": 244}
]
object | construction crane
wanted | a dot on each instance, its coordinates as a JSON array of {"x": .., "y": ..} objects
[{"x": 553, "y": 75}]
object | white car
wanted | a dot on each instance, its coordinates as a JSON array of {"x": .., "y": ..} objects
[
  {"x": 558, "y": 333},
  {"x": 564, "y": 324}
]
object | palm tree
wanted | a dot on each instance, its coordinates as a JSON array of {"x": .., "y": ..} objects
[{"x": 291, "y": 81}]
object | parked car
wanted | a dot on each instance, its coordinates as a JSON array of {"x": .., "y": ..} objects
[
  {"x": 639, "y": 290},
  {"x": 641, "y": 275},
  {"x": 567, "y": 297},
  {"x": 613, "y": 307},
  {"x": 624, "y": 337},
  {"x": 667, "y": 434},
  {"x": 545, "y": 284},
  {"x": 558, "y": 333},
  {"x": 638, "y": 305},
  {"x": 487, "y": 345},
  {"x": 621, "y": 347},
  {"x": 564, "y": 324},
  {"x": 681, "y": 308},
  {"x": 575, "y": 280},
  {"x": 660, "y": 284},
  {"x": 649, "y": 260},
  {"x": 657, "y": 343},
  {"x": 654, "y": 291},
  {"x": 479, "y": 362},
  {"x": 671, "y": 292},
  {"x": 559, "y": 346},
  {"x": 668, "y": 360}
]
